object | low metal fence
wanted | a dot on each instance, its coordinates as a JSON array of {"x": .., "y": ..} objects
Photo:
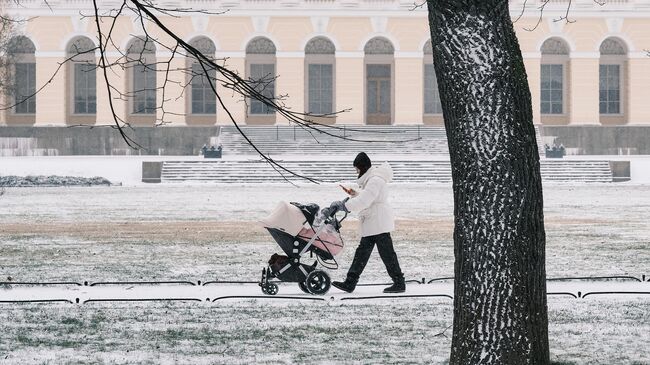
[{"x": 423, "y": 281}]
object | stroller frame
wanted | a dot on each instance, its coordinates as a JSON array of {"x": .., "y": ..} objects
[{"x": 310, "y": 279}]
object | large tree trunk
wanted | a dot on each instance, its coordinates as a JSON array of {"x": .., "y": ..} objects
[{"x": 500, "y": 313}]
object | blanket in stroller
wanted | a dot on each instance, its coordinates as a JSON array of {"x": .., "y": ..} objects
[{"x": 329, "y": 240}]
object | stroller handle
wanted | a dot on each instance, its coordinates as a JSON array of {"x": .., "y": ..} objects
[
  {"x": 346, "y": 213},
  {"x": 334, "y": 211},
  {"x": 332, "y": 215}
]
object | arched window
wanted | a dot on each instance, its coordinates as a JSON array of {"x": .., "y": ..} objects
[
  {"x": 432, "y": 105},
  {"x": 379, "y": 45},
  {"x": 83, "y": 76},
  {"x": 260, "y": 60},
  {"x": 22, "y": 51},
  {"x": 141, "y": 53},
  {"x": 553, "y": 85},
  {"x": 260, "y": 45},
  {"x": 613, "y": 54},
  {"x": 203, "y": 79},
  {"x": 319, "y": 61},
  {"x": 379, "y": 56},
  {"x": 555, "y": 46}
]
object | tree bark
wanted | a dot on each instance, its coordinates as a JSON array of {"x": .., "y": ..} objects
[{"x": 500, "y": 312}]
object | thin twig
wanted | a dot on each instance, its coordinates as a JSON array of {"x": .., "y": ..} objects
[
  {"x": 102, "y": 60},
  {"x": 443, "y": 332}
]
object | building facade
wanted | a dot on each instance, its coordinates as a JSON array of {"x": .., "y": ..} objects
[{"x": 370, "y": 57}]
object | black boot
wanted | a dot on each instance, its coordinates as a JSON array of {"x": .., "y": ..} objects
[
  {"x": 347, "y": 286},
  {"x": 399, "y": 286}
]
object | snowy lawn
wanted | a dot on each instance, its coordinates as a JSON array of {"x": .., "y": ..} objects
[
  {"x": 596, "y": 331},
  {"x": 211, "y": 232},
  {"x": 207, "y": 232}
]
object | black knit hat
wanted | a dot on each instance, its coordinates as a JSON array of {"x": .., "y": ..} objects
[{"x": 362, "y": 162}]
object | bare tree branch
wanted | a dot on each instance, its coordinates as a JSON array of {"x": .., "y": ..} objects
[
  {"x": 103, "y": 65},
  {"x": 542, "y": 7},
  {"x": 148, "y": 13},
  {"x": 523, "y": 10},
  {"x": 541, "y": 15},
  {"x": 566, "y": 15},
  {"x": 443, "y": 332}
]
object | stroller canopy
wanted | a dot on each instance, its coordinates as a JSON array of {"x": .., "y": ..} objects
[
  {"x": 290, "y": 217},
  {"x": 308, "y": 210}
]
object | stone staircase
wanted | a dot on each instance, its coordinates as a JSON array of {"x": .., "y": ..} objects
[
  {"x": 576, "y": 171},
  {"x": 417, "y": 154},
  {"x": 345, "y": 140},
  {"x": 255, "y": 171}
]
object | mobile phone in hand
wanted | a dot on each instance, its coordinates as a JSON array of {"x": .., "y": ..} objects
[{"x": 349, "y": 191}]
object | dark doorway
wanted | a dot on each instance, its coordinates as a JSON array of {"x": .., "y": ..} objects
[{"x": 378, "y": 94}]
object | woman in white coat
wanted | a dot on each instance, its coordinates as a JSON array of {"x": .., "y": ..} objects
[{"x": 376, "y": 223}]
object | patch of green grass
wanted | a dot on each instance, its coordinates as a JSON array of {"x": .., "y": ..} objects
[
  {"x": 97, "y": 320},
  {"x": 72, "y": 321},
  {"x": 27, "y": 340},
  {"x": 64, "y": 343}
]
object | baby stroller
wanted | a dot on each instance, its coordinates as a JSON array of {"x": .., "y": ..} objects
[{"x": 299, "y": 230}]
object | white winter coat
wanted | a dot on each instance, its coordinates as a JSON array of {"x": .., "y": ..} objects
[{"x": 371, "y": 202}]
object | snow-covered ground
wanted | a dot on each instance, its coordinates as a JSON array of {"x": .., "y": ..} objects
[
  {"x": 209, "y": 232},
  {"x": 127, "y": 170},
  {"x": 403, "y": 331}
]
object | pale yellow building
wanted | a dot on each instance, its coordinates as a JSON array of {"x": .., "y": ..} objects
[{"x": 371, "y": 57}]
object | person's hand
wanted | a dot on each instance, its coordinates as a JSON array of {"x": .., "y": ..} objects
[
  {"x": 325, "y": 212},
  {"x": 349, "y": 191},
  {"x": 339, "y": 205}
]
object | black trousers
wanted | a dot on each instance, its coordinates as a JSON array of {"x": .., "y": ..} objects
[{"x": 386, "y": 251}]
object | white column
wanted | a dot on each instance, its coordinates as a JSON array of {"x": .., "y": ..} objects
[
  {"x": 232, "y": 101},
  {"x": 50, "y": 101},
  {"x": 583, "y": 89},
  {"x": 290, "y": 68},
  {"x": 175, "y": 93},
  {"x": 349, "y": 87},
  {"x": 533, "y": 70},
  {"x": 409, "y": 89},
  {"x": 117, "y": 78},
  {"x": 638, "y": 79}
]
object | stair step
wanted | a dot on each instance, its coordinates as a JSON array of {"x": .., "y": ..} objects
[
  {"x": 282, "y": 140},
  {"x": 253, "y": 171}
]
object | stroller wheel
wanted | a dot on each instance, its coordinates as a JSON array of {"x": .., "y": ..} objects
[
  {"x": 317, "y": 282},
  {"x": 303, "y": 287},
  {"x": 270, "y": 289}
]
